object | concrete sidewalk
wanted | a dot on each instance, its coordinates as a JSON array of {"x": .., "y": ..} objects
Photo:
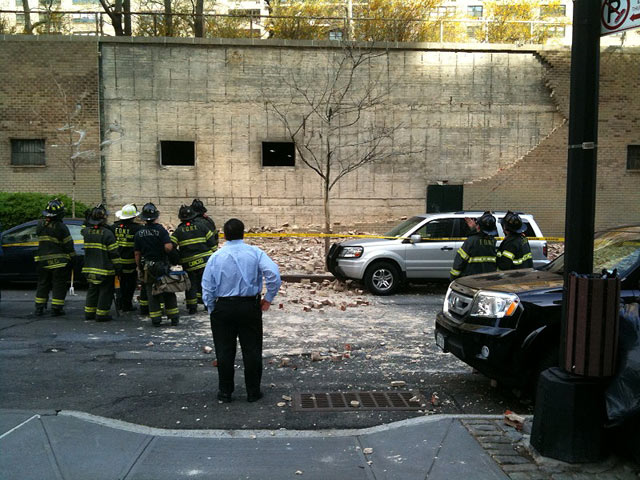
[{"x": 73, "y": 445}]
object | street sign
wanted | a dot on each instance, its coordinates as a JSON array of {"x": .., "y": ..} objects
[{"x": 619, "y": 15}]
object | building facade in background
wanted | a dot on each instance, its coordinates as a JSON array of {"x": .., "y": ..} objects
[{"x": 489, "y": 122}]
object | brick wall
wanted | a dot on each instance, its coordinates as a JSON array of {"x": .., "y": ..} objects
[
  {"x": 537, "y": 182},
  {"x": 33, "y": 107}
]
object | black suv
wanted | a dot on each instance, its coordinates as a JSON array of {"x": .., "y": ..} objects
[{"x": 506, "y": 325}]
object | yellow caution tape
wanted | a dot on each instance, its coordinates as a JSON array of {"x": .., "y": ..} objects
[
  {"x": 347, "y": 235},
  {"x": 34, "y": 244}
]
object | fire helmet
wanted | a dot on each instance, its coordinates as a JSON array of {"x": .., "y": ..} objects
[
  {"x": 54, "y": 209},
  {"x": 149, "y": 212},
  {"x": 512, "y": 222},
  {"x": 186, "y": 213},
  {"x": 128, "y": 211},
  {"x": 487, "y": 224}
]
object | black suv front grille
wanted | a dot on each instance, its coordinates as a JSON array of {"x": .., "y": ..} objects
[{"x": 459, "y": 304}]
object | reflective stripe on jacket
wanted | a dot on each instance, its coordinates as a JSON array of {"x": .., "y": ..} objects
[
  {"x": 100, "y": 253},
  {"x": 125, "y": 231},
  {"x": 514, "y": 252},
  {"x": 195, "y": 245},
  {"x": 477, "y": 255},
  {"x": 55, "y": 245}
]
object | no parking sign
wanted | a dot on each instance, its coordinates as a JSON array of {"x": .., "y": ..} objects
[{"x": 618, "y": 15}]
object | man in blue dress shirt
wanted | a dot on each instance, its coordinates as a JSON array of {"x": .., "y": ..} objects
[{"x": 231, "y": 289}]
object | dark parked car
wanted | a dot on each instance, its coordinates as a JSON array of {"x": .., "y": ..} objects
[
  {"x": 19, "y": 244},
  {"x": 506, "y": 325}
]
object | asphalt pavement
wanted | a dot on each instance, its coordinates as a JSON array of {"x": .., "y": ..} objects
[{"x": 58, "y": 359}]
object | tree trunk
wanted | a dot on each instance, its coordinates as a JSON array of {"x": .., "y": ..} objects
[
  {"x": 116, "y": 18},
  {"x": 73, "y": 195},
  {"x": 126, "y": 7},
  {"x": 199, "y": 24},
  {"x": 325, "y": 194},
  {"x": 327, "y": 217},
  {"x": 168, "y": 19},
  {"x": 27, "y": 17}
]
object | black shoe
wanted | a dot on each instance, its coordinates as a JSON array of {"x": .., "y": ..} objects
[
  {"x": 192, "y": 310},
  {"x": 57, "y": 312},
  {"x": 156, "y": 322},
  {"x": 104, "y": 319},
  {"x": 144, "y": 311},
  {"x": 255, "y": 398},
  {"x": 39, "y": 311},
  {"x": 89, "y": 317},
  {"x": 175, "y": 321},
  {"x": 224, "y": 397}
]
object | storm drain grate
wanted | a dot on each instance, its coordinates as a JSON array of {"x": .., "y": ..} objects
[{"x": 397, "y": 400}]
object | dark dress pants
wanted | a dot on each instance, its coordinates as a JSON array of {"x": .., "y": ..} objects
[{"x": 232, "y": 320}]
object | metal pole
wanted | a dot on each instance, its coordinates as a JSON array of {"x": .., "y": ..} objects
[{"x": 583, "y": 138}]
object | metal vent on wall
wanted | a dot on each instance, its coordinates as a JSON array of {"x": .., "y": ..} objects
[{"x": 335, "y": 401}]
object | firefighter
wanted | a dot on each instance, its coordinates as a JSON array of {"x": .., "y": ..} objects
[
  {"x": 125, "y": 229},
  {"x": 514, "y": 251},
  {"x": 101, "y": 262},
  {"x": 204, "y": 220},
  {"x": 55, "y": 251},
  {"x": 195, "y": 245},
  {"x": 478, "y": 252},
  {"x": 152, "y": 247}
]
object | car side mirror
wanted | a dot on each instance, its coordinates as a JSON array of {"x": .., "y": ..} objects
[{"x": 415, "y": 238}]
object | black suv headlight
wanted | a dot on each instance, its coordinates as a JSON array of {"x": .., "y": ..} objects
[
  {"x": 494, "y": 304},
  {"x": 351, "y": 252}
]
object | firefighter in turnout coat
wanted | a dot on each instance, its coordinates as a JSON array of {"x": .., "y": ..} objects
[
  {"x": 55, "y": 251},
  {"x": 195, "y": 245},
  {"x": 514, "y": 251},
  {"x": 125, "y": 229},
  {"x": 100, "y": 264},
  {"x": 152, "y": 248},
  {"x": 478, "y": 252}
]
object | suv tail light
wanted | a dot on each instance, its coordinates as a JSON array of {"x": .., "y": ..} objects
[{"x": 544, "y": 249}]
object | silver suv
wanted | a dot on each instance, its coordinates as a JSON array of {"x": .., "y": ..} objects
[{"x": 422, "y": 248}]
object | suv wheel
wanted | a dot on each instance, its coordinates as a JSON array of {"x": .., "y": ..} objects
[{"x": 382, "y": 278}]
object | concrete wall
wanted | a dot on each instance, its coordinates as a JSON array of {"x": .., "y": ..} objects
[
  {"x": 467, "y": 114},
  {"x": 493, "y": 120},
  {"x": 32, "y": 106}
]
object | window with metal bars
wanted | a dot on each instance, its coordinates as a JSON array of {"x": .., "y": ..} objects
[{"x": 27, "y": 152}]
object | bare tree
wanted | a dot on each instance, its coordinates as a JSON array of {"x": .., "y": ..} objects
[
  {"x": 27, "y": 17},
  {"x": 335, "y": 121},
  {"x": 73, "y": 136},
  {"x": 120, "y": 14}
]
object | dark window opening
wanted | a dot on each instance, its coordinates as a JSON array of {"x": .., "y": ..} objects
[
  {"x": 633, "y": 157},
  {"x": 177, "y": 154},
  {"x": 27, "y": 152},
  {"x": 278, "y": 154},
  {"x": 474, "y": 11}
]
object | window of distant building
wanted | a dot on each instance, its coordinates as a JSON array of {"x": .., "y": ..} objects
[
  {"x": 474, "y": 11},
  {"x": 84, "y": 17},
  {"x": 553, "y": 11},
  {"x": 633, "y": 157},
  {"x": 442, "y": 11},
  {"x": 177, "y": 153},
  {"x": 245, "y": 12},
  {"x": 27, "y": 152},
  {"x": 278, "y": 154},
  {"x": 335, "y": 35}
]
